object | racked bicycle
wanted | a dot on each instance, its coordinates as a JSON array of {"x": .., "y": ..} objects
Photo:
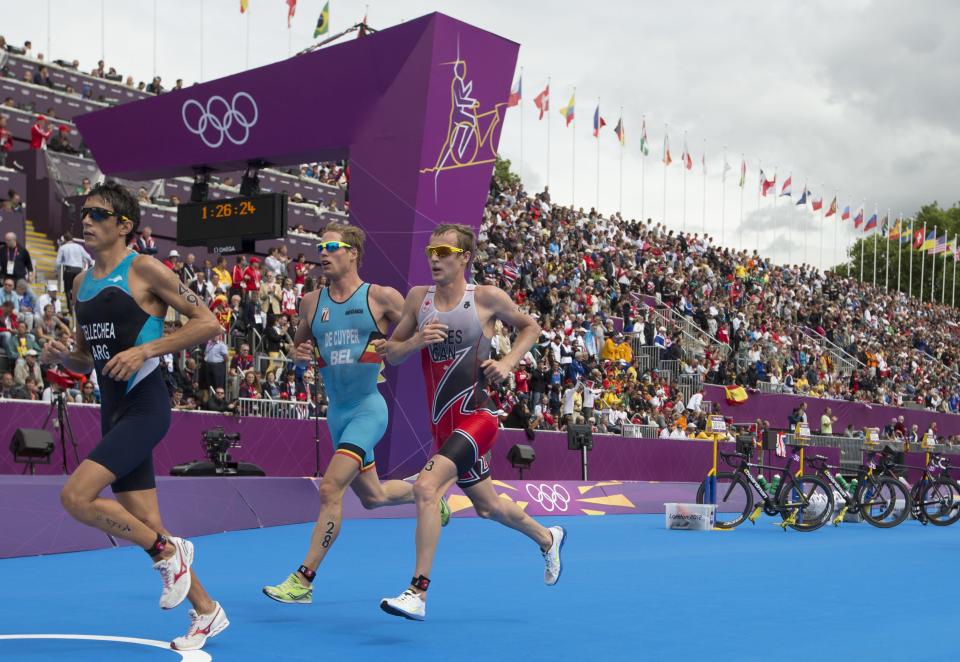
[
  {"x": 935, "y": 498},
  {"x": 875, "y": 497},
  {"x": 804, "y": 502}
]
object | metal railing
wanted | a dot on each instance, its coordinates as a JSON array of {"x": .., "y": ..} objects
[
  {"x": 272, "y": 408},
  {"x": 691, "y": 334},
  {"x": 845, "y": 362}
]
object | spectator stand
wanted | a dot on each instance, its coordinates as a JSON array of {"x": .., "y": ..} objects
[
  {"x": 20, "y": 122},
  {"x": 40, "y": 99},
  {"x": 113, "y": 92}
]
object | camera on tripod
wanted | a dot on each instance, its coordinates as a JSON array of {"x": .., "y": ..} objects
[{"x": 216, "y": 446}]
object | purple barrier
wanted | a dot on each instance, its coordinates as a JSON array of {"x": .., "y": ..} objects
[
  {"x": 776, "y": 408},
  {"x": 20, "y": 123},
  {"x": 35, "y": 523},
  {"x": 12, "y": 221},
  {"x": 286, "y": 448}
]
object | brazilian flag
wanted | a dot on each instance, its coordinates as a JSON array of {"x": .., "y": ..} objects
[{"x": 323, "y": 23}]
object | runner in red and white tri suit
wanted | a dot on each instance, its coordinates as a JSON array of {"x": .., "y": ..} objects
[{"x": 451, "y": 323}]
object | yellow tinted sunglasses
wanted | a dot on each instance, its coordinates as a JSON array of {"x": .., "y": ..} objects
[{"x": 442, "y": 250}]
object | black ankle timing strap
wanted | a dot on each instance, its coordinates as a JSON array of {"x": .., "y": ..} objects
[
  {"x": 308, "y": 574},
  {"x": 157, "y": 547},
  {"x": 420, "y": 582}
]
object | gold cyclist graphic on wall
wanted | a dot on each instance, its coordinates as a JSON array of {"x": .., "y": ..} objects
[{"x": 469, "y": 140}]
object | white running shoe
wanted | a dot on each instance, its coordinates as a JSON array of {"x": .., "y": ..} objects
[
  {"x": 408, "y": 604},
  {"x": 175, "y": 573},
  {"x": 202, "y": 627},
  {"x": 551, "y": 573}
]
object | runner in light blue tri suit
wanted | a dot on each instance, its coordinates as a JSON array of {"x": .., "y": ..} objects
[
  {"x": 341, "y": 327},
  {"x": 344, "y": 333}
]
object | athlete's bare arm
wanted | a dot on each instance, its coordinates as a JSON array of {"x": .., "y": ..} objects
[
  {"x": 499, "y": 306},
  {"x": 165, "y": 287},
  {"x": 80, "y": 359},
  {"x": 303, "y": 338},
  {"x": 407, "y": 338},
  {"x": 387, "y": 306}
]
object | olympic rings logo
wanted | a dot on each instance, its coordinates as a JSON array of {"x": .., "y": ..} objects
[
  {"x": 550, "y": 497},
  {"x": 219, "y": 119}
]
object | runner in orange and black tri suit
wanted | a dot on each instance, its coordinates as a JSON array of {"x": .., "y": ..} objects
[{"x": 451, "y": 323}]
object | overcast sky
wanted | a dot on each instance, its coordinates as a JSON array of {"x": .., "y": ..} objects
[{"x": 858, "y": 97}]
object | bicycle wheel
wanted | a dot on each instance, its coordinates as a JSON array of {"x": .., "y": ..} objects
[
  {"x": 883, "y": 501},
  {"x": 940, "y": 501},
  {"x": 734, "y": 499},
  {"x": 808, "y": 511}
]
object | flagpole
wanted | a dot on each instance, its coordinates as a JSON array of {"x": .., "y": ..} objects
[
  {"x": 666, "y": 136},
  {"x": 876, "y": 231},
  {"x": 807, "y": 233},
  {"x": 685, "y": 157},
  {"x": 789, "y": 238},
  {"x": 953, "y": 288},
  {"x": 823, "y": 229},
  {"x": 743, "y": 185},
  {"x": 548, "y": 131},
  {"x": 863, "y": 208},
  {"x": 520, "y": 104},
  {"x": 703, "y": 162},
  {"x": 202, "y": 2},
  {"x": 900, "y": 250},
  {"x": 103, "y": 32},
  {"x": 643, "y": 173},
  {"x": 943, "y": 285},
  {"x": 763, "y": 179},
  {"x": 886, "y": 257},
  {"x": 620, "y": 203},
  {"x": 573, "y": 174},
  {"x": 723, "y": 197},
  {"x": 597, "y": 140},
  {"x": 155, "y": 38},
  {"x": 933, "y": 267},
  {"x": 923, "y": 236},
  {"x": 247, "y": 60},
  {"x": 923, "y": 262}
]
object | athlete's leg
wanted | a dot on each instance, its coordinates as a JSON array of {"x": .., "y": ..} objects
[
  {"x": 438, "y": 475},
  {"x": 143, "y": 505},
  {"x": 340, "y": 473},
  {"x": 488, "y": 505},
  {"x": 81, "y": 498},
  {"x": 374, "y": 494}
]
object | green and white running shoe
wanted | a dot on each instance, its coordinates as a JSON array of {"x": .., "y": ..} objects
[
  {"x": 444, "y": 512},
  {"x": 290, "y": 591}
]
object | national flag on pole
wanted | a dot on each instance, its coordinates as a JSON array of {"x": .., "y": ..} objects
[
  {"x": 951, "y": 246},
  {"x": 787, "y": 184},
  {"x": 726, "y": 168},
  {"x": 515, "y": 93},
  {"x": 644, "y": 143},
  {"x": 567, "y": 111},
  {"x": 940, "y": 244},
  {"x": 618, "y": 129},
  {"x": 817, "y": 204},
  {"x": 917, "y": 240},
  {"x": 667, "y": 159},
  {"x": 833, "y": 208},
  {"x": 686, "y": 158},
  {"x": 904, "y": 233},
  {"x": 323, "y": 23},
  {"x": 930, "y": 241},
  {"x": 871, "y": 223},
  {"x": 291, "y": 10},
  {"x": 542, "y": 101},
  {"x": 765, "y": 184},
  {"x": 363, "y": 27},
  {"x": 894, "y": 231},
  {"x": 743, "y": 172},
  {"x": 243, "y": 6},
  {"x": 845, "y": 216},
  {"x": 803, "y": 196},
  {"x": 598, "y": 122},
  {"x": 858, "y": 219}
]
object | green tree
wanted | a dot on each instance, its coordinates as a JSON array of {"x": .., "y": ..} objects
[
  {"x": 888, "y": 253},
  {"x": 503, "y": 176}
]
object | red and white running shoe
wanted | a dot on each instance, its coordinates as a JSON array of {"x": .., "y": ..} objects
[{"x": 175, "y": 573}]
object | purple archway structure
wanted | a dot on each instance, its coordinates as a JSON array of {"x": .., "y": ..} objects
[{"x": 417, "y": 109}]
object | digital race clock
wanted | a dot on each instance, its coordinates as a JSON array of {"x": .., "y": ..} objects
[{"x": 232, "y": 225}]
